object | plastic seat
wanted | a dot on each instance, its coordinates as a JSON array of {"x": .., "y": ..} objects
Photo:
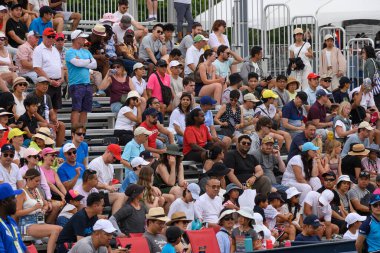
[
  {"x": 138, "y": 244},
  {"x": 205, "y": 237},
  {"x": 31, "y": 248}
]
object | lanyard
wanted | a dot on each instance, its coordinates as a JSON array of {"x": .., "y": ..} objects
[{"x": 14, "y": 237}]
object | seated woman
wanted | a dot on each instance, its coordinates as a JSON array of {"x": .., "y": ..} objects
[
  {"x": 19, "y": 88},
  {"x": 7, "y": 69},
  {"x": 152, "y": 196},
  {"x": 57, "y": 189},
  {"x": 31, "y": 209},
  {"x": 170, "y": 172},
  {"x": 206, "y": 81},
  {"x": 139, "y": 83},
  {"x": 226, "y": 222},
  {"x": 41, "y": 139},
  {"x": 342, "y": 187},
  {"x": 131, "y": 217},
  {"x": 332, "y": 160},
  {"x": 229, "y": 116},
  {"x": 118, "y": 83},
  {"x": 342, "y": 126},
  {"x": 302, "y": 171},
  {"x": 177, "y": 121},
  {"x": 128, "y": 117}
]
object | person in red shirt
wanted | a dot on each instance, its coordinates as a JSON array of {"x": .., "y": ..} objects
[
  {"x": 197, "y": 140},
  {"x": 151, "y": 124}
]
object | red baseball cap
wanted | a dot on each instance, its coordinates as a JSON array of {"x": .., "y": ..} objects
[
  {"x": 312, "y": 76},
  {"x": 49, "y": 31},
  {"x": 115, "y": 150},
  {"x": 59, "y": 36}
]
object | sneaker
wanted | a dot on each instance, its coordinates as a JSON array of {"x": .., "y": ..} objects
[
  {"x": 38, "y": 242},
  {"x": 150, "y": 19},
  {"x": 96, "y": 104}
]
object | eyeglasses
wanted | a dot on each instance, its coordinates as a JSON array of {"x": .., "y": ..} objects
[
  {"x": 80, "y": 134},
  {"x": 59, "y": 39},
  {"x": 33, "y": 156},
  {"x": 246, "y": 143},
  {"x": 330, "y": 179},
  {"x": 117, "y": 66},
  {"x": 50, "y": 36},
  {"x": 69, "y": 153},
  {"x": 159, "y": 31},
  {"x": 23, "y": 84},
  {"x": 10, "y": 155}
]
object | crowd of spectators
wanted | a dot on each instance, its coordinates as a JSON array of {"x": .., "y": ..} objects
[{"x": 180, "y": 104}]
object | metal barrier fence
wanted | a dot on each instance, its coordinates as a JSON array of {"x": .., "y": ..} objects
[{"x": 355, "y": 63}]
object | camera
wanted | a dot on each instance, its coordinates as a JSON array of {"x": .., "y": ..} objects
[{"x": 40, "y": 218}]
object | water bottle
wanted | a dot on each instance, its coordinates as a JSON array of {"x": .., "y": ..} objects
[
  {"x": 269, "y": 244},
  {"x": 248, "y": 244}
]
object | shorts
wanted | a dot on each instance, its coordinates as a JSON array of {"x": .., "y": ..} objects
[
  {"x": 196, "y": 156},
  {"x": 81, "y": 95},
  {"x": 198, "y": 87},
  {"x": 66, "y": 15},
  {"x": 106, "y": 198},
  {"x": 25, "y": 221},
  {"x": 55, "y": 94}
]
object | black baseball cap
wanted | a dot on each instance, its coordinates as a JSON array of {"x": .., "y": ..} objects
[
  {"x": 146, "y": 155},
  {"x": 151, "y": 111},
  {"x": 275, "y": 195},
  {"x": 173, "y": 233},
  {"x": 329, "y": 173},
  {"x": 303, "y": 96},
  {"x": 312, "y": 220},
  {"x": 364, "y": 174},
  {"x": 7, "y": 147}
]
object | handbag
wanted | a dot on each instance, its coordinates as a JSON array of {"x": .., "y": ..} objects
[
  {"x": 376, "y": 80},
  {"x": 297, "y": 61},
  {"x": 165, "y": 91}
]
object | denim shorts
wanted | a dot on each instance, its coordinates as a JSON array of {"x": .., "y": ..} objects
[
  {"x": 81, "y": 95},
  {"x": 25, "y": 221}
]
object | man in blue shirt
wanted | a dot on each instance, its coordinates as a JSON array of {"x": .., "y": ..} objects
[
  {"x": 292, "y": 114},
  {"x": 10, "y": 237},
  {"x": 78, "y": 133},
  {"x": 43, "y": 21},
  {"x": 301, "y": 138},
  {"x": 70, "y": 172},
  {"x": 370, "y": 229},
  {"x": 311, "y": 224},
  {"x": 79, "y": 61},
  {"x": 135, "y": 146}
]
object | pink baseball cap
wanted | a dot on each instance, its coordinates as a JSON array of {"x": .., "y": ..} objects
[{"x": 46, "y": 151}]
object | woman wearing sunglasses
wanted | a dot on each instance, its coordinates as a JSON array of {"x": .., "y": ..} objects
[
  {"x": 19, "y": 93},
  {"x": 226, "y": 221},
  {"x": 7, "y": 69},
  {"x": 57, "y": 189}
]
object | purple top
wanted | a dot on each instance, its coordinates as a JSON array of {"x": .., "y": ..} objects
[{"x": 118, "y": 89}]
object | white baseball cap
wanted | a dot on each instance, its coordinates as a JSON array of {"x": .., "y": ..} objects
[
  {"x": 174, "y": 64},
  {"x": 291, "y": 192},
  {"x": 105, "y": 225},
  {"x": 2, "y": 7},
  {"x": 138, "y": 65},
  {"x": 137, "y": 161},
  {"x": 78, "y": 34},
  {"x": 68, "y": 146},
  {"x": 142, "y": 130},
  {"x": 194, "y": 189},
  {"x": 326, "y": 197},
  {"x": 351, "y": 218}
]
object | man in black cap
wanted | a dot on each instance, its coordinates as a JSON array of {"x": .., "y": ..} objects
[
  {"x": 310, "y": 226},
  {"x": 16, "y": 29},
  {"x": 234, "y": 84},
  {"x": 292, "y": 114},
  {"x": 9, "y": 171}
]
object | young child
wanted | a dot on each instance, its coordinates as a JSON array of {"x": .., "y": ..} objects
[
  {"x": 28, "y": 120},
  {"x": 253, "y": 81},
  {"x": 234, "y": 84},
  {"x": 261, "y": 202},
  {"x": 72, "y": 206},
  {"x": 353, "y": 221},
  {"x": 231, "y": 196},
  {"x": 276, "y": 219},
  {"x": 173, "y": 236},
  {"x": 293, "y": 206},
  {"x": 132, "y": 175}
]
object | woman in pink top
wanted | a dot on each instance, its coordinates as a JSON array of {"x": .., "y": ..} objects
[{"x": 57, "y": 189}]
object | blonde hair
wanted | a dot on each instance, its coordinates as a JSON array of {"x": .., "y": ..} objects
[
  {"x": 342, "y": 106},
  {"x": 330, "y": 147},
  {"x": 145, "y": 179}
]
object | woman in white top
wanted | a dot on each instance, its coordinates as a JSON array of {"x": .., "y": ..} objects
[
  {"x": 332, "y": 62},
  {"x": 302, "y": 171},
  {"x": 301, "y": 49},
  {"x": 139, "y": 84},
  {"x": 31, "y": 210},
  {"x": 342, "y": 126},
  {"x": 218, "y": 37},
  {"x": 6, "y": 64},
  {"x": 19, "y": 87},
  {"x": 127, "y": 118},
  {"x": 177, "y": 122}
]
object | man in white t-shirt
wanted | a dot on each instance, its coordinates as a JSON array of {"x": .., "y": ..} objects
[
  {"x": 121, "y": 27},
  {"x": 353, "y": 221},
  {"x": 9, "y": 171},
  {"x": 193, "y": 53},
  {"x": 186, "y": 202},
  {"x": 90, "y": 181},
  {"x": 209, "y": 205},
  {"x": 122, "y": 8},
  {"x": 319, "y": 205},
  {"x": 188, "y": 40},
  {"x": 105, "y": 171}
]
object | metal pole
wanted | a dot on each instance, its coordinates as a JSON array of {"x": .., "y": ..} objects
[{"x": 243, "y": 36}]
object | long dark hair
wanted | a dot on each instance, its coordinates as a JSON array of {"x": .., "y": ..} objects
[
  {"x": 307, "y": 165},
  {"x": 370, "y": 51},
  {"x": 297, "y": 208},
  {"x": 164, "y": 160},
  {"x": 205, "y": 55},
  {"x": 188, "y": 109}
]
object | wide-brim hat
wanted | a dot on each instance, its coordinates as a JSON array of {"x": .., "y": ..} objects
[
  {"x": 291, "y": 192},
  {"x": 172, "y": 149},
  {"x": 177, "y": 216},
  {"x": 247, "y": 213},
  {"x": 99, "y": 30},
  {"x": 44, "y": 134},
  {"x": 358, "y": 149},
  {"x": 225, "y": 213},
  {"x": 108, "y": 17},
  {"x": 292, "y": 80},
  {"x": 157, "y": 213},
  {"x": 231, "y": 187}
]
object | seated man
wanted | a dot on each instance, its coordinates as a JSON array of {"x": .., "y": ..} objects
[
  {"x": 359, "y": 195},
  {"x": 70, "y": 172},
  {"x": 246, "y": 167},
  {"x": 311, "y": 226},
  {"x": 307, "y": 135},
  {"x": 9, "y": 171},
  {"x": 134, "y": 148},
  {"x": 105, "y": 171},
  {"x": 362, "y": 137},
  {"x": 24, "y": 56},
  {"x": 270, "y": 159},
  {"x": 152, "y": 125},
  {"x": 82, "y": 223},
  {"x": 319, "y": 204},
  {"x": 292, "y": 114},
  {"x": 153, "y": 47},
  {"x": 318, "y": 115},
  {"x": 209, "y": 204}
]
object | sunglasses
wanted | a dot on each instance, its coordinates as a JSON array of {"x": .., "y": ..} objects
[
  {"x": 33, "y": 156},
  {"x": 327, "y": 80},
  {"x": 330, "y": 179},
  {"x": 215, "y": 187},
  {"x": 159, "y": 31},
  {"x": 376, "y": 205},
  {"x": 246, "y": 143},
  {"x": 23, "y": 84},
  {"x": 69, "y": 153},
  {"x": 80, "y": 134},
  {"x": 59, "y": 39},
  {"x": 10, "y": 155},
  {"x": 50, "y": 36},
  {"x": 52, "y": 155},
  {"x": 228, "y": 217},
  {"x": 234, "y": 99}
]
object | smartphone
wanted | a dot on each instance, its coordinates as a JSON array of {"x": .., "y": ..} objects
[
  {"x": 257, "y": 114},
  {"x": 113, "y": 71}
]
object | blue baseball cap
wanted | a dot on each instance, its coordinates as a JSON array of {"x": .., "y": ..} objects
[
  {"x": 6, "y": 191},
  {"x": 7, "y": 147},
  {"x": 309, "y": 146},
  {"x": 374, "y": 199},
  {"x": 312, "y": 220},
  {"x": 151, "y": 111},
  {"x": 322, "y": 92},
  {"x": 207, "y": 100}
]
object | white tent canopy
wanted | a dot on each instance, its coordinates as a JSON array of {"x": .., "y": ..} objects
[{"x": 326, "y": 11}]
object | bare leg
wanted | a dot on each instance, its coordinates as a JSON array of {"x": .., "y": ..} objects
[
  {"x": 8, "y": 77},
  {"x": 117, "y": 200},
  {"x": 83, "y": 118},
  {"x": 58, "y": 24},
  {"x": 149, "y": 5},
  {"x": 75, "y": 117},
  {"x": 214, "y": 90},
  {"x": 176, "y": 191},
  {"x": 76, "y": 17},
  {"x": 51, "y": 218},
  {"x": 60, "y": 139},
  {"x": 46, "y": 230},
  {"x": 155, "y": 7}
]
